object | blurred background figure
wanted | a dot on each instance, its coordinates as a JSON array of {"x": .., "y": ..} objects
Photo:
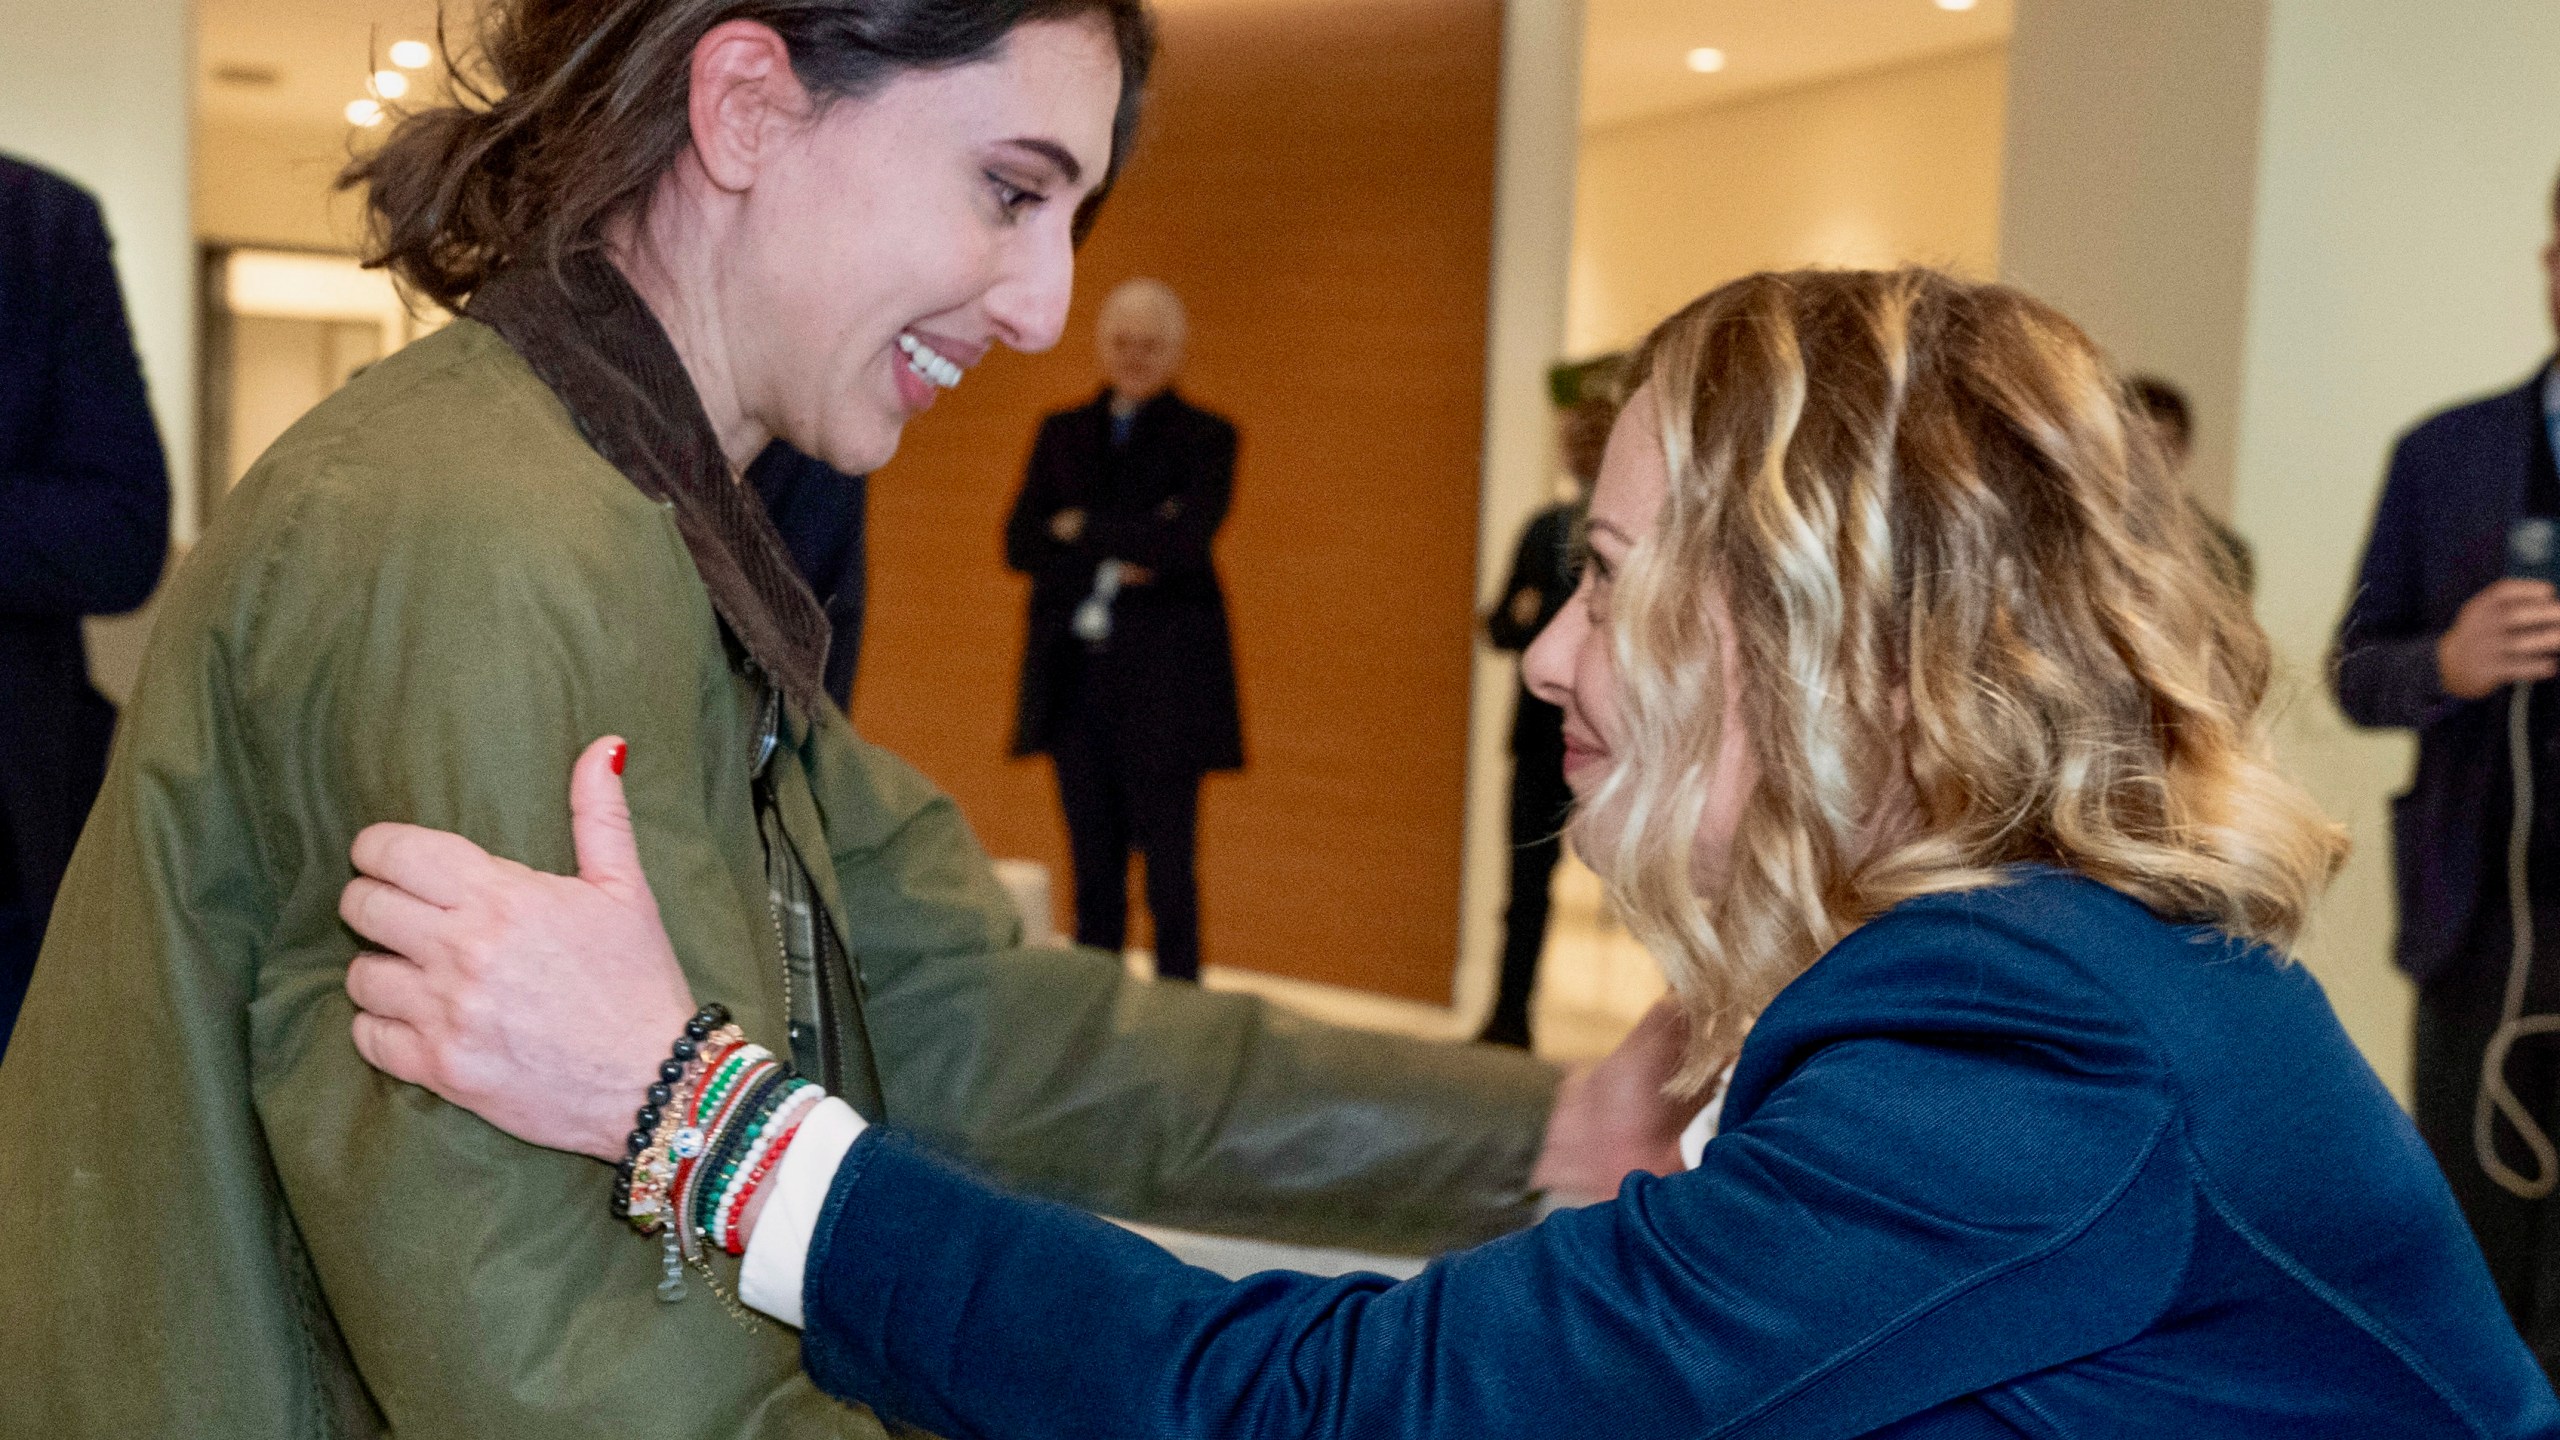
[
  {"x": 2441, "y": 637},
  {"x": 820, "y": 512},
  {"x": 2173, "y": 426},
  {"x": 84, "y": 530},
  {"x": 1128, "y": 678},
  {"x": 1543, "y": 574}
]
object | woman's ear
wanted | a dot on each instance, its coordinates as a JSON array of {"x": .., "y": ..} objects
[{"x": 746, "y": 98}]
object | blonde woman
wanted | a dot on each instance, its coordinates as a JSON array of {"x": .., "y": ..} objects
[{"x": 1905, "y": 715}]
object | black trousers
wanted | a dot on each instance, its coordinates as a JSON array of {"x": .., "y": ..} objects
[
  {"x": 1540, "y": 805},
  {"x": 1121, "y": 794},
  {"x": 2457, "y": 1013}
]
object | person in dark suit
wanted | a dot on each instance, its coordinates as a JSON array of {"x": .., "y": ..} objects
[
  {"x": 2173, "y": 424},
  {"x": 820, "y": 513},
  {"x": 1542, "y": 578},
  {"x": 1128, "y": 677},
  {"x": 2433, "y": 641},
  {"x": 84, "y": 530}
]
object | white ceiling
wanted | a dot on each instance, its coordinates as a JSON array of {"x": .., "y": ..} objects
[{"x": 1635, "y": 52}]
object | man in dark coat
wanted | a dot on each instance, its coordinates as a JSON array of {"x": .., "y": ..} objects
[
  {"x": 2436, "y": 640},
  {"x": 1128, "y": 680},
  {"x": 84, "y": 530}
]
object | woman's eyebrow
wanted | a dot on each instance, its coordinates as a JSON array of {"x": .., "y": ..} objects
[
  {"x": 1053, "y": 152},
  {"x": 1596, "y": 524}
]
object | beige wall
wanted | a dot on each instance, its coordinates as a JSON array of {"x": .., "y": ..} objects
[
  {"x": 98, "y": 91},
  {"x": 2329, "y": 209},
  {"x": 1891, "y": 166},
  {"x": 2408, "y": 157},
  {"x": 268, "y": 183},
  {"x": 2132, "y": 166}
]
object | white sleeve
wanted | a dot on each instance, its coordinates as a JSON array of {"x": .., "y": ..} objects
[
  {"x": 778, "y": 1257},
  {"x": 1702, "y": 1127}
]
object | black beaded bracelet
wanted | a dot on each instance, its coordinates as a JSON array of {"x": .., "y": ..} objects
[{"x": 644, "y": 1125}]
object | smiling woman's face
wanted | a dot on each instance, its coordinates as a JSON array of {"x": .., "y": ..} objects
[
  {"x": 886, "y": 247},
  {"x": 1572, "y": 666}
]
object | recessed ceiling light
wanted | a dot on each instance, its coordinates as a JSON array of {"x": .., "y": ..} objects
[
  {"x": 1707, "y": 59},
  {"x": 412, "y": 54},
  {"x": 1957, "y": 4},
  {"x": 390, "y": 84},
  {"x": 365, "y": 113}
]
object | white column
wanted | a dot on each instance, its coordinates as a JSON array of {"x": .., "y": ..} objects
[
  {"x": 99, "y": 91},
  {"x": 2130, "y": 175},
  {"x": 1532, "y": 249},
  {"x": 2378, "y": 264}
]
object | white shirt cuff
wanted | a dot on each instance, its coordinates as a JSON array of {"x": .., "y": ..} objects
[
  {"x": 778, "y": 1257},
  {"x": 1693, "y": 1140}
]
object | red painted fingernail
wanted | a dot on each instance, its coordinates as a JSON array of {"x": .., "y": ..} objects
[{"x": 620, "y": 754}]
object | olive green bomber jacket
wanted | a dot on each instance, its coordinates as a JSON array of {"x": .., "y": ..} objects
[{"x": 420, "y": 606}]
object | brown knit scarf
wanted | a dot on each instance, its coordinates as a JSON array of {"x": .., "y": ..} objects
[{"x": 592, "y": 339}]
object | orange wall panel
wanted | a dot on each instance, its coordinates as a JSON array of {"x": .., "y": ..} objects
[{"x": 1316, "y": 178}]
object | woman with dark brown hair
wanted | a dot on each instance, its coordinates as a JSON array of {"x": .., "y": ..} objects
[
  {"x": 674, "y": 230},
  {"x": 1910, "y": 728}
]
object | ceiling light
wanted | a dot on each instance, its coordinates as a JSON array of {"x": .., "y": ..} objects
[
  {"x": 412, "y": 55},
  {"x": 390, "y": 84},
  {"x": 1707, "y": 59},
  {"x": 1957, "y": 4},
  {"x": 366, "y": 113}
]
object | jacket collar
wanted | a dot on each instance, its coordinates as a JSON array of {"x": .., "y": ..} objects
[
  {"x": 1164, "y": 399},
  {"x": 593, "y": 341}
]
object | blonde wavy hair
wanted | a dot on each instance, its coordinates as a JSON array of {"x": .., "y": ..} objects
[{"x": 1972, "y": 623}]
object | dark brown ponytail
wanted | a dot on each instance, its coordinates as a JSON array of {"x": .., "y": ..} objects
[{"x": 565, "y": 113}]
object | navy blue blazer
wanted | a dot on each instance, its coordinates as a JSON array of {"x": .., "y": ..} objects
[
  {"x": 2026, "y": 1160},
  {"x": 84, "y": 512},
  {"x": 2457, "y": 481}
]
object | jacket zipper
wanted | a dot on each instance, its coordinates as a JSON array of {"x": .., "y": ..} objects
[{"x": 809, "y": 1021}]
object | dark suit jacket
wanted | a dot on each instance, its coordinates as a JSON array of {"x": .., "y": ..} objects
[
  {"x": 820, "y": 511},
  {"x": 1156, "y": 503},
  {"x": 84, "y": 512},
  {"x": 2457, "y": 482},
  {"x": 1543, "y": 566}
]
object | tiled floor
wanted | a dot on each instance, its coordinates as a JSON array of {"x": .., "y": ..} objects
[
  {"x": 1592, "y": 987},
  {"x": 1596, "y": 980}
]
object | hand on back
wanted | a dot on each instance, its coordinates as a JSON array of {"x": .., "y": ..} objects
[{"x": 541, "y": 1003}]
